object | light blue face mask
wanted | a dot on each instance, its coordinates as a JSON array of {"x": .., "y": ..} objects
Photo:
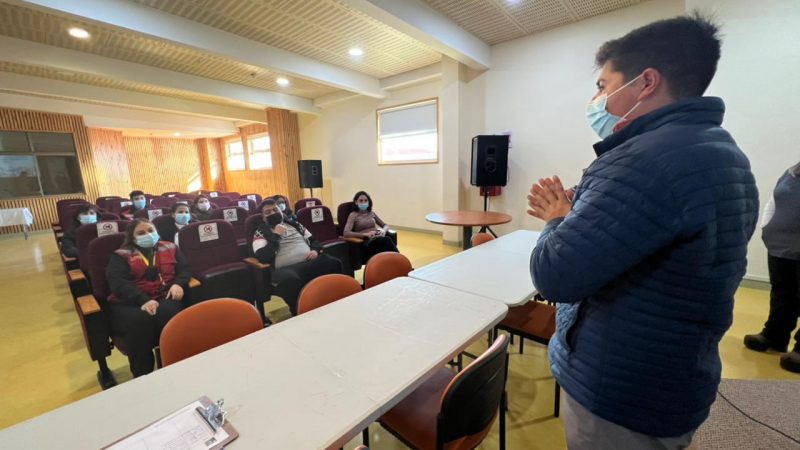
[
  {"x": 282, "y": 206},
  {"x": 138, "y": 204},
  {"x": 363, "y": 206},
  {"x": 147, "y": 240},
  {"x": 87, "y": 219},
  {"x": 602, "y": 121},
  {"x": 182, "y": 218}
]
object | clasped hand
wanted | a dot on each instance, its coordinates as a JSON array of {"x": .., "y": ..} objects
[{"x": 548, "y": 200}]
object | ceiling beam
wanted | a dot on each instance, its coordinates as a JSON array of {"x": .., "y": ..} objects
[
  {"x": 78, "y": 91},
  {"x": 152, "y": 23},
  {"x": 412, "y": 77},
  {"x": 428, "y": 26},
  {"x": 31, "y": 53}
]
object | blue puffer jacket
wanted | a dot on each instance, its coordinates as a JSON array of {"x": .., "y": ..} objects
[{"x": 645, "y": 266}]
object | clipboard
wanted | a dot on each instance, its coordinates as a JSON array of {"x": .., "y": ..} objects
[{"x": 205, "y": 402}]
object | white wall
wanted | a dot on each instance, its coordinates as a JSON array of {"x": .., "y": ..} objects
[
  {"x": 344, "y": 137},
  {"x": 757, "y": 78}
]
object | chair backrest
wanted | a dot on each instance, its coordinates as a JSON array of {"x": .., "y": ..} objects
[
  {"x": 62, "y": 204},
  {"x": 235, "y": 216},
  {"x": 102, "y": 202},
  {"x": 170, "y": 194},
  {"x": 471, "y": 401},
  {"x": 230, "y": 195},
  {"x": 250, "y": 225},
  {"x": 162, "y": 220},
  {"x": 385, "y": 266},
  {"x": 254, "y": 197},
  {"x": 223, "y": 201},
  {"x": 108, "y": 216},
  {"x": 207, "y": 325},
  {"x": 163, "y": 202},
  {"x": 208, "y": 244},
  {"x": 481, "y": 238},
  {"x": 116, "y": 205},
  {"x": 190, "y": 197},
  {"x": 342, "y": 213},
  {"x": 85, "y": 234},
  {"x": 306, "y": 203},
  {"x": 248, "y": 204},
  {"x": 319, "y": 221},
  {"x": 326, "y": 289},
  {"x": 100, "y": 250},
  {"x": 151, "y": 212}
]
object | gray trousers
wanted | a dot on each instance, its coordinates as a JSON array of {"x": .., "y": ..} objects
[{"x": 586, "y": 431}]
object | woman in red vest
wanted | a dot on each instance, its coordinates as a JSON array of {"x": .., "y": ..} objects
[{"x": 148, "y": 279}]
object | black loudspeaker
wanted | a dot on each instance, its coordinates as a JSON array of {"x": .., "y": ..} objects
[
  {"x": 310, "y": 171},
  {"x": 489, "y": 160}
]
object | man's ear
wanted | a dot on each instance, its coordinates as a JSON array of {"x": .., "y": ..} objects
[{"x": 653, "y": 83}]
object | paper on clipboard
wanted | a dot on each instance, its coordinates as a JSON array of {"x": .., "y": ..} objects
[{"x": 184, "y": 429}]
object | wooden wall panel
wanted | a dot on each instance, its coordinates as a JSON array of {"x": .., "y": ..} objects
[
  {"x": 162, "y": 165},
  {"x": 285, "y": 143},
  {"x": 44, "y": 208},
  {"x": 111, "y": 162},
  {"x": 211, "y": 166}
]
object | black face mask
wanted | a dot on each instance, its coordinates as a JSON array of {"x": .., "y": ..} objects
[{"x": 274, "y": 219}]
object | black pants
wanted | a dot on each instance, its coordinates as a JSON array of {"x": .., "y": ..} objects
[
  {"x": 289, "y": 281},
  {"x": 378, "y": 244},
  {"x": 784, "y": 304},
  {"x": 141, "y": 331}
]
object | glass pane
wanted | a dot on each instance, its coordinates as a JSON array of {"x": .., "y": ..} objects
[
  {"x": 59, "y": 175},
  {"x": 235, "y": 152},
  {"x": 18, "y": 177},
  {"x": 419, "y": 118},
  {"x": 259, "y": 143},
  {"x": 418, "y": 148},
  {"x": 261, "y": 160},
  {"x": 12, "y": 141},
  {"x": 52, "y": 142}
]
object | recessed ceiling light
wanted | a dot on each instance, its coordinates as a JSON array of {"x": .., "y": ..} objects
[
  {"x": 176, "y": 134},
  {"x": 79, "y": 33},
  {"x": 282, "y": 81},
  {"x": 355, "y": 51}
]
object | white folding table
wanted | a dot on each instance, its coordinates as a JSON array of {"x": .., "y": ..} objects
[
  {"x": 498, "y": 269},
  {"x": 314, "y": 381},
  {"x": 17, "y": 216}
]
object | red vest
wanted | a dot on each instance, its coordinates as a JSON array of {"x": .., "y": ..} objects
[{"x": 164, "y": 260}]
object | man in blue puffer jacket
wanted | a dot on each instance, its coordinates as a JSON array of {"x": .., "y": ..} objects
[{"x": 645, "y": 260}]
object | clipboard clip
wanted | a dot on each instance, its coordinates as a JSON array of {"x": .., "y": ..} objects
[{"x": 213, "y": 414}]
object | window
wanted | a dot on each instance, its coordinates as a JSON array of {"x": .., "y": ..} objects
[
  {"x": 37, "y": 164},
  {"x": 260, "y": 155},
  {"x": 408, "y": 133},
  {"x": 234, "y": 154}
]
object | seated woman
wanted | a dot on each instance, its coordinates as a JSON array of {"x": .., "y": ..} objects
[
  {"x": 292, "y": 251},
  {"x": 201, "y": 208},
  {"x": 365, "y": 224},
  {"x": 182, "y": 217},
  {"x": 148, "y": 279},
  {"x": 139, "y": 203},
  {"x": 85, "y": 215},
  {"x": 283, "y": 204}
]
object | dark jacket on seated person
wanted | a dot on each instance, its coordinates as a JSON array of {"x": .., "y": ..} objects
[
  {"x": 69, "y": 244},
  {"x": 127, "y": 274}
]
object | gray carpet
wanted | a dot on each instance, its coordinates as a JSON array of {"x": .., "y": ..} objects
[{"x": 775, "y": 403}]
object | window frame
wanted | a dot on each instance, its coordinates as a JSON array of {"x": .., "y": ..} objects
[
  {"x": 402, "y": 106},
  {"x": 250, "y": 139},
  {"x": 225, "y": 143},
  {"x": 35, "y": 155}
]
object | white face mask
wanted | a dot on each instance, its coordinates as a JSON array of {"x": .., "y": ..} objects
[
  {"x": 203, "y": 206},
  {"x": 602, "y": 121}
]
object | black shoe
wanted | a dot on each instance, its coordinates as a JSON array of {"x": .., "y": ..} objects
[
  {"x": 791, "y": 361},
  {"x": 760, "y": 343}
]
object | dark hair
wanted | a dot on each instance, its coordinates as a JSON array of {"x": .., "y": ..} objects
[
  {"x": 199, "y": 197},
  {"x": 284, "y": 199},
  {"x": 135, "y": 194},
  {"x": 177, "y": 205},
  {"x": 266, "y": 202},
  {"x": 83, "y": 209},
  {"x": 130, "y": 241},
  {"x": 685, "y": 50},
  {"x": 369, "y": 199}
]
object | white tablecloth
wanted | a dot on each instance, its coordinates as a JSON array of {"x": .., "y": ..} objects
[{"x": 15, "y": 216}]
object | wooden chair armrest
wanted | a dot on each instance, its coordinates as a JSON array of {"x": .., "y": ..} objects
[
  {"x": 253, "y": 262},
  {"x": 67, "y": 259},
  {"x": 76, "y": 275},
  {"x": 193, "y": 283},
  {"x": 59, "y": 235},
  {"x": 88, "y": 305},
  {"x": 353, "y": 240}
]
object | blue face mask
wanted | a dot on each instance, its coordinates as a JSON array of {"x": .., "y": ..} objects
[
  {"x": 138, "y": 204},
  {"x": 182, "y": 218},
  {"x": 602, "y": 121},
  {"x": 87, "y": 219},
  {"x": 147, "y": 240},
  {"x": 363, "y": 206},
  {"x": 282, "y": 206}
]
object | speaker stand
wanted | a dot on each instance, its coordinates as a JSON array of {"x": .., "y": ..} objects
[
  {"x": 312, "y": 192},
  {"x": 486, "y": 209}
]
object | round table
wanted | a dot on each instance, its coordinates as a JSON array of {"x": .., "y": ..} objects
[{"x": 468, "y": 219}]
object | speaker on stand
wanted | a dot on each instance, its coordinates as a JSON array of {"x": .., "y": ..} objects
[
  {"x": 489, "y": 167},
  {"x": 310, "y": 172}
]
